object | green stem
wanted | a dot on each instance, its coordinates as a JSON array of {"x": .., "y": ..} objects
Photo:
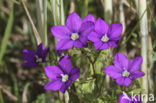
[
  {"x": 1, "y": 97},
  {"x": 100, "y": 88},
  {"x": 45, "y": 40},
  {"x": 93, "y": 66},
  {"x": 62, "y": 13},
  {"x": 6, "y": 35},
  {"x": 95, "y": 76},
  {"x": 97, "y": 56}
]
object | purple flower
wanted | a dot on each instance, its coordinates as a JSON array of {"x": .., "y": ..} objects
[
  {"x": 123, "y": 70},
  {"x": 104, "y": 36},
  {"x": 62, "y": 75},
  {"x": 124, "y": 98},
  {"x": 75, "y": 33},
  {"x": 33, "y": 58},
  {"x": 89, "y": 17}
]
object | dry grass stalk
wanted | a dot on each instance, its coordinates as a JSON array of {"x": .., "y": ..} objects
[
  {"x": 37, "y": 36},
  {"x": 9, "y": 94},
  {"x": 72, "y": 6},
  {"x": 144, "y": 33}
]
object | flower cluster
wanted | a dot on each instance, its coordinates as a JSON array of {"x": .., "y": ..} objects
[{"x": 76, "y": 34}]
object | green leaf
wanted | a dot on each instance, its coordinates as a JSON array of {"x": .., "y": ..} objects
[
  {"x": 41, "y": 99},
  {"x": 136, "y": 91},
  {"x": 87, "y": 87},
  {"x": 1, "y": 97},
  {"x": 6, "y": 35}
]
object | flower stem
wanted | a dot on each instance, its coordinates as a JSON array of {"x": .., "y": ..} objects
[
  {"x": 1, "y": 97},
  {"x": 45, "y": 39},
  {"x": 93, "y": 66},
  {"x": 40, "y": 17},
  {"x": 95, "y": 76}
]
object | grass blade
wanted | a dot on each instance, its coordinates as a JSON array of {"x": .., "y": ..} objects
[
  {"x": 6, "y": 35},
  {"x": 1, "y": 97},
  {"x": 45, "y": 40}
]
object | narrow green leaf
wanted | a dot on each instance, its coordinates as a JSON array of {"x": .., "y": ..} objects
[
  {"x": 16, "y": 2},
  {"x": 1, "y": 97},
  {"x": 45, "y": 39},
  {"x": 6, "y": 35}
]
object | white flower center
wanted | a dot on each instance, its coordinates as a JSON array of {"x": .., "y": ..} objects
[
  {"x": 38, "y": 59},
  {"x": 105, "y": 38},
  {"x": 74, "y": 36},
  {"x": 125, "y": 73},
  {"x": 64, "y": 77}
]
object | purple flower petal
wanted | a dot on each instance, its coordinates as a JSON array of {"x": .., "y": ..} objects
[
  {"x": 75, "y": 73},
  {"x": 65, "y": 86},
  {"x": 31, "y": 64},
  {"x": 104, "y": 46},
  {"x": 78, "y": 44},
  {"x": 86, "y": 28},
  {"x": 98, "y": 44},
  {"x": 53, "y": 72},
  {"x": 66, "y": 64},
  {"x": 53, "y": 85},
  {"x": 113, "y": 72},
  {"x": 137, "y": 74},
  {"x": 123, "y": 81},
  {"x": 83, "y": 40},
  {"x": 61, "y": 32},
  {"x": 64, "y": 44},
  {"x": 89, "y": 17},
  {"x": 135, "y": 64},
  {"x": 29, "y": 56},
  {"x": 115, "y": 30},
  {"x": 41, "y": 47},
  {"x": 115, "y": 39},
  {"x": 101, "y": 26},
  {"x": 121, "y": 61},
  {"x": 125, "y": 99},
  {"x": 94, "y": 37},
  {"x": 112, "y": 43},
  {"x": 42, "y": 52},
  {"x": 74, "y": 22}
]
